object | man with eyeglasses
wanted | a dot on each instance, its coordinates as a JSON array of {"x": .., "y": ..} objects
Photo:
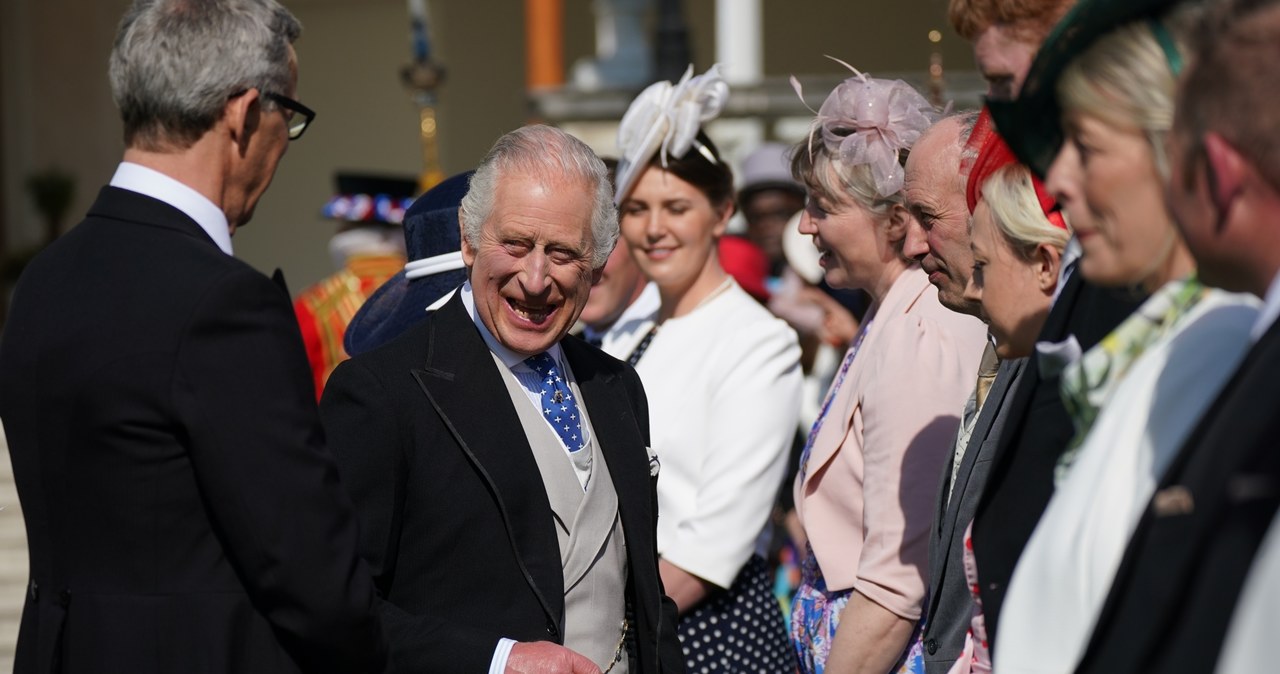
[{"x": 182, "y": 511}]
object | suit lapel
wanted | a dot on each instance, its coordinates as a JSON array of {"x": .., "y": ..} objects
[
  {"x": 1055, "y": 329},
  {"x": 1175, "y": 533},
  {"x": 617, "y": 435},
  {"x": 978, "y": 449},
  {"x": 978, "y": 440},
  {"x": 593, "y": 522},
  {"x": 902, "y": 296},
  {"x": 462, "y": 383}
]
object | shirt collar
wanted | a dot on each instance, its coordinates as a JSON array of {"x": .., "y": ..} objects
[
  {"x": 152, "y": 183},
  {"x": 1270, "y": 310},
  {"x": 508, "y": 357}
]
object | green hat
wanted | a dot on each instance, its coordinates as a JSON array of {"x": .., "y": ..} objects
[{"x": 1032, "y": 124}]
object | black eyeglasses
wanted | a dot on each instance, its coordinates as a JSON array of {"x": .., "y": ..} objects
[{"x": 299, "y": 116}]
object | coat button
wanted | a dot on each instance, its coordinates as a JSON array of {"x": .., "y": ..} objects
[
  {"x": 64, "y": 598},
  {"x": 931, "y": 646},
  {"x": 552, "y": 630},
  {"x": 34, "y": 591}
]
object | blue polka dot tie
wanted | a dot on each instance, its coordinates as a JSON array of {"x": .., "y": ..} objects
[{"x": 558, "y": 406}]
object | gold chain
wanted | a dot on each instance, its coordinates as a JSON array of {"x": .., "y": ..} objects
[{"x": 617, "y": 653}]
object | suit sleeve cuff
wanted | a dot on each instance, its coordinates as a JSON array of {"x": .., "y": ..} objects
[{"x": 500, "y": 654}]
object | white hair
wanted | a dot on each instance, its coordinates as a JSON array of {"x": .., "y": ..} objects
[{"x": 541, "y": 150}]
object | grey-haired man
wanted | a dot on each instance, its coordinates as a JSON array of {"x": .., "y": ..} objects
[{"x": 182, "y": 512}]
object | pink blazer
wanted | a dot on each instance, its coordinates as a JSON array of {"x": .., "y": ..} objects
[{"x": 867, "y": 497}]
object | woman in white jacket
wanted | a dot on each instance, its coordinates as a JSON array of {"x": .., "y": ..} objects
[{"x": 722, "y": 377}]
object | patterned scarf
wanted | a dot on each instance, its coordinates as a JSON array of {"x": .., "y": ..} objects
[{"x": 1089, "y": 383}]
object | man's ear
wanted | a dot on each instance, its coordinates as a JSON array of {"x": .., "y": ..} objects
[
  {"x": 899, "y": 218},
  {"x": 1046, "y": 261},
  {"x": 468, "y": 253},
  {"x": 1226, "y": 172},
  {"x": 241, "y": 115}
]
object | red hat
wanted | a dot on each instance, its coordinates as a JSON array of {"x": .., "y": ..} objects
[
  {"x": 994, "y": 154},
  {"x": 746, "y": 263}
]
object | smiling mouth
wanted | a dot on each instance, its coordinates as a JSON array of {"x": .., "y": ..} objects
[
  {"x": 658, "y": 253},
  {"x": 824, "y": 254},
  {"x": 536, "y": 315}
]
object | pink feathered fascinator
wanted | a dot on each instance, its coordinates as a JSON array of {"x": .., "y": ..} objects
[{"x": 871, "y": 121}]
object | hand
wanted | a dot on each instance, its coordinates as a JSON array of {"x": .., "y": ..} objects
[
  {"x": 544, "y": 657},
  {"x": 839, "y": 327}
]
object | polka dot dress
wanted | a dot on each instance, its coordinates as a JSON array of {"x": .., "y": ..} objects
[{"x": 741, "y": 630}]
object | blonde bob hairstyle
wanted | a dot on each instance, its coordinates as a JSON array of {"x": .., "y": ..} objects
[
  {"x": 1125, "y": 80},
  {"x": 828, "y": 178},
  {"x": 1017, "y": 214}
]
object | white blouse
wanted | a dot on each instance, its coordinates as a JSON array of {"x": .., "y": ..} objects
[{"x": 723, "y": 384}]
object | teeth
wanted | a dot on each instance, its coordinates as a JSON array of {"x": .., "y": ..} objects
[{"x": 535, "y": 315}]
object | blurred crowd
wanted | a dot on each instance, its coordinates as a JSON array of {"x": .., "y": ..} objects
[{"x": 930, "y": 391}]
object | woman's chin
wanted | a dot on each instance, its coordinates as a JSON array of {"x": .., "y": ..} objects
[
  {"x": 836, "y": 278},
  {"x": 1106, "y": 274}
]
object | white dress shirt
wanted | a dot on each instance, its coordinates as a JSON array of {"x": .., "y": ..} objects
[
  {"x": 1270, "y": 310},
  {"x": 154, "y": 184}
]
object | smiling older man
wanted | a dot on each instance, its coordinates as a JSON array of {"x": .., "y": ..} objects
[{"x": 499, "y": 467}]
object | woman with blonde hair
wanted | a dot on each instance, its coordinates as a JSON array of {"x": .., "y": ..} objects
[
  {"x": 1109, "y": 74},
  {"x": 1017, "y": 236},
  {"x": 869, "y": 469}
]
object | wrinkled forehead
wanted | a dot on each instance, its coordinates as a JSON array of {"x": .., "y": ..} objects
[
  {"x": 933, "y": 168},
  {"x": 542, "y": 206}
]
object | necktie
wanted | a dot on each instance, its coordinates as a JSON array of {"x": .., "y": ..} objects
[
  {"x": 558, "y": 406},
  {"x": 986, "y": 374},
  {"x": 987, "y": 371}
]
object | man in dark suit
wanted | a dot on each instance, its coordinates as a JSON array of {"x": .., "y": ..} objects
[
  {"x": 182, "y": 512},
  {"x": 939, "y": 238},
  {"x": 1179, "y": 587},
  {"x": 506, "y": 498}
]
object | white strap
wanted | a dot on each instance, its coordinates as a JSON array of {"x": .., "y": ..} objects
[{"x": 434, "y": 265}]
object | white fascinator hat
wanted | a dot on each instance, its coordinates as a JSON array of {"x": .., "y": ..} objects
[{"x": 664, "y": 121}]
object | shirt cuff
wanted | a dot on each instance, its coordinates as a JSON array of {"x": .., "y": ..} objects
[{"x": 500, "y": 654}]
